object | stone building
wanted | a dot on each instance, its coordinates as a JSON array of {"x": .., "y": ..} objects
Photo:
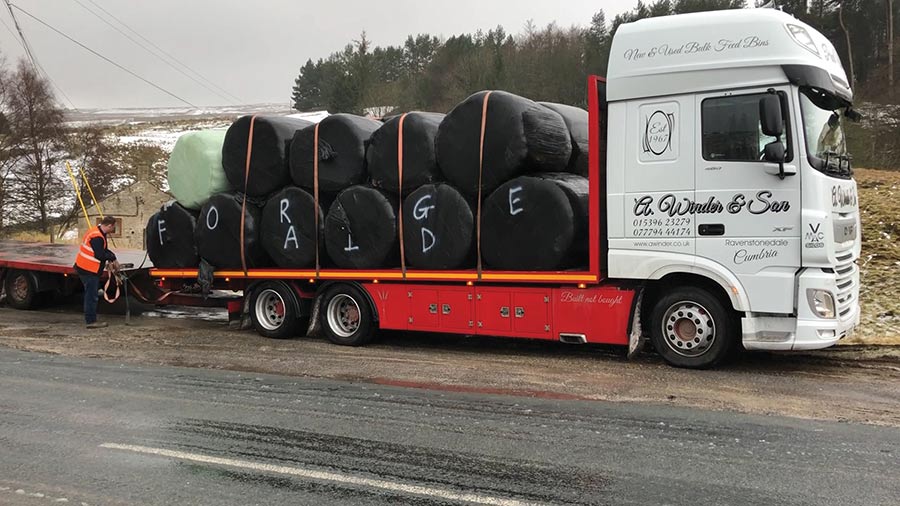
[{"x": 132, "y": 206}]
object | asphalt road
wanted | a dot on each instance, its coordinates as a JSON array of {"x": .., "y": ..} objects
[{"x": 86, "y": 431}]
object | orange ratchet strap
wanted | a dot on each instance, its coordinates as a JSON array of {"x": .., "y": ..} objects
[
  {"x": 244, "y": 201},
  {"x": 484, "y": 109}
]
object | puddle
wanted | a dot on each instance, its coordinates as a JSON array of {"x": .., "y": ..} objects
[{"x": 188, "y": 313}]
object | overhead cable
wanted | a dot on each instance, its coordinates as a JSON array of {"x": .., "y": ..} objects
[
  {"x": 161, "y": 50},
  {"x": 151, "y": 83},
  {"x": 145, "y": 48}
]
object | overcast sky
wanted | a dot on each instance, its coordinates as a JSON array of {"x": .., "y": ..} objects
[{"x": 253, "y": 50}]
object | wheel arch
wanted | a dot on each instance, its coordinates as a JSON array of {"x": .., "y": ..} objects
[
  {"x": 656, "y": 288},
  {"x": 716, "y": 279},
  {"x": 359, "y": 286},
  {"x": 256, "y": 286}
]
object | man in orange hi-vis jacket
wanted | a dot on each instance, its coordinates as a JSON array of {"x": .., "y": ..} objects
[{"x": 92, "y": 257}]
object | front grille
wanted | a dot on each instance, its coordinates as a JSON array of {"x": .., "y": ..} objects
[{"x": 847, "y": 290}]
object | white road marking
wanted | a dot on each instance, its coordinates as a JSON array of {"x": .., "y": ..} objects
[{"x": 449, "y": 495}]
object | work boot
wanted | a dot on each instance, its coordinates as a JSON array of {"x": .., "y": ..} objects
[{"x": 96, "y": 325}]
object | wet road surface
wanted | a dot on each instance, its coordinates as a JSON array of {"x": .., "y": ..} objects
[{"x": 87, "y": 431}]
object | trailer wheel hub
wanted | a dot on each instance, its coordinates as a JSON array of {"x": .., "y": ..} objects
[
  {"x": 270, "y": 309},
  {"x": 343, "y": 315},
  {"x": 20, "y": 287}
]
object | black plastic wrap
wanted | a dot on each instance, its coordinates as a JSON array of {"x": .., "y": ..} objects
[
  {"x": 576, "y": 120},
  {"x": 342, "y": 152},
  {"x": 169, "y": 237},
  {"x": 537, "y": 222},
  {"x": 288, "y": 229},
  {"x": 520, "y": 136},
  {"x": 438, "y": 228},
  {"x": 361, "y": 229},
  {"x": 269, "y": 170},
  {"x": 419, "y": 161},
  {"x": 218, "y": 233}
]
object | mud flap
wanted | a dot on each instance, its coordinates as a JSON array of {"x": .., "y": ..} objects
[
  {"x": 314, "y": 327},
  {"x": 205, "y": 277},
  {"x": 636, "y": 338}
]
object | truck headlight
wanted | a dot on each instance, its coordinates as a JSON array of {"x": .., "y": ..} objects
[{"x": 821, "y": 302}]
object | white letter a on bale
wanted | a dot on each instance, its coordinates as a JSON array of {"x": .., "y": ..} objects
[{"x": 291, "y": 236}]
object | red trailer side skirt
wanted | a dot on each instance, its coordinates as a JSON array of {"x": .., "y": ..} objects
[{"x": 597, "y": 314}]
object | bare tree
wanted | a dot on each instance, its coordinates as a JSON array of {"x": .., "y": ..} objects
[
  {"x": 849, "y": 46},
  {"x": 890, "y": 46},
  {"x": 89, "y": 150},
  {"x": 7, "y": 154},
  {"x": 36, "y": 126}
]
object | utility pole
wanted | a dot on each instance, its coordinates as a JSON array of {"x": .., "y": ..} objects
[{"x": 21, "y": 36}]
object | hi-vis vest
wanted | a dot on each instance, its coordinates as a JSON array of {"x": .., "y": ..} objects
[{"x": 86, "y": 259}]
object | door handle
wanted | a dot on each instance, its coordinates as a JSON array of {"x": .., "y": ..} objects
[{"x": 711, "y": 229}]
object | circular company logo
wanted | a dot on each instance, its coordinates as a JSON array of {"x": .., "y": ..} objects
[{"x": 658, "y": 133}]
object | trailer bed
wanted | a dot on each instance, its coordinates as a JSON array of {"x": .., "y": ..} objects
[{"x": 60, "y": 258}]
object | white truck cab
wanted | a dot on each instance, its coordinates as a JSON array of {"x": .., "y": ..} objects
[{"x": 729, "y": 183}]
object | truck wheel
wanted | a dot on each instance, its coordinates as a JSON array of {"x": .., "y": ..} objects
[
  {"x": 273, "y": 311},
  {"x": 692, "y": 328},
  {"x": 21, "y": 292},
  {"x": 347, "y": 317}
]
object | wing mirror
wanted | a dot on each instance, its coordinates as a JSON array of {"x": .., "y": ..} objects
[
  {"x": 770, "y": 116},
  {"x": 774, "y": 153}
]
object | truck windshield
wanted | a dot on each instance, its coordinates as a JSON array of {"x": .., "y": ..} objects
[{"x": 824, "y": 131}]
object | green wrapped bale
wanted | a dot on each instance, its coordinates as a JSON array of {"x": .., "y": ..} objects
[{"x": 195, "y": 170}]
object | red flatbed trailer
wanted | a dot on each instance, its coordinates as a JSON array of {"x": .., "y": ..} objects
[
  {"x": 29, "y": 270},
  {"x": 58, "y": 258},
  {"x": 350, "y": 305}
]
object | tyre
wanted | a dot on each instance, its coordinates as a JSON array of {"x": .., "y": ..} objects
[
  {"x": 273, "y": 311},
  {"x": 346, "y": 316},
  {"x": 21, "y": 291},
  {"x": 692, "y": 328}
]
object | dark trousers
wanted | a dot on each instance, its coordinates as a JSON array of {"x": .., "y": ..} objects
[{"x": 91, "y": 284}]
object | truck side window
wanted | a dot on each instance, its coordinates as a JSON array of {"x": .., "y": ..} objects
[{"x": 732, "y": 130}]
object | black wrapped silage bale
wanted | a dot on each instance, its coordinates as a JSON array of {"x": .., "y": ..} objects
[
  {"x": 169, "y": 237},
  {"x": 361, "y": 229},
  {"x": 342, "y": 152},
  {"x": 438, "y": 228},
  {"x": 419, "y": 161},
  {"x": 218, "y": 233},
  {"x": 288, "y": 228},
  {"x": 520, "y": 136},
  {"x": 576, "y": 120},
  {"x": 536, "y": 223},
  {"x": 269, "y": 170}
]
